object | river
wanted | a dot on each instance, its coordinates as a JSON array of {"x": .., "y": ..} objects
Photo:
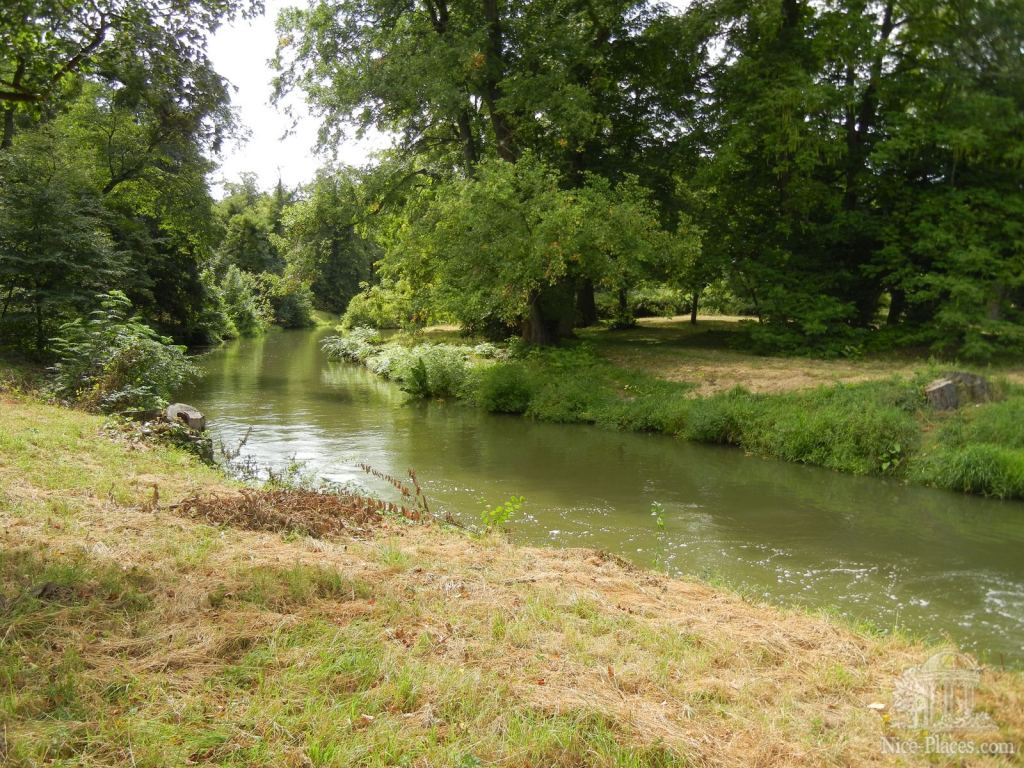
[{"x": 935, "y": 563}]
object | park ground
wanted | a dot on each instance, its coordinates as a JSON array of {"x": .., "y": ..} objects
[
  {"x": 138, "y": 631},
  {"x": 710, "y": 356}
]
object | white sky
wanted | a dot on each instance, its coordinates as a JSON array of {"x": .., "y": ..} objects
[{"x": 241, "y": 52}]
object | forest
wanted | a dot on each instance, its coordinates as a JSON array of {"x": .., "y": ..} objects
[{"x": 849, "y": 174}]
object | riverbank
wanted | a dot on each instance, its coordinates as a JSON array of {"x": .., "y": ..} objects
[
  {"x": 862, "y": 417},
  {"x": 138, "y": 636}
]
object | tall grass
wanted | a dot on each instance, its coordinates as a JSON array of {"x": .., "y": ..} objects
[{"x": 979, "y": 449}]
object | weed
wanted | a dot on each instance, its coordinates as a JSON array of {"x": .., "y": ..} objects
[{"x": 498, "y": 516}]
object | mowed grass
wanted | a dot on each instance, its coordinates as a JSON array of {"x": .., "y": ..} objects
[{"x": 133, "y": 637}]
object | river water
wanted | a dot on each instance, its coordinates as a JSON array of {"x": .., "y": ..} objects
[{"x": 935, "y": 563}]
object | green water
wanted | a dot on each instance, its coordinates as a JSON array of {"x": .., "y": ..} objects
[{"x": 936, "y": 563}]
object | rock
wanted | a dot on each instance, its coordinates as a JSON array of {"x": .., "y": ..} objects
[
  {"x": 186, "y": 414},
  {"x": 958, "y": 388}
]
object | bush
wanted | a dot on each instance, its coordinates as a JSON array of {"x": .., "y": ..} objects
[
  {"x": 650, "y": 300},
  {"x": 504, "y": 388},
  {"x": 385, "y": 305},
  {"x": 426, "y": 370},
  {"x": 356, "y": 346},
  {"x": 566, "y": 400},
  {"x": 114, "y": 362},
  {"x": 431, "y": 370},
  {"x": 863, "y": 429}
]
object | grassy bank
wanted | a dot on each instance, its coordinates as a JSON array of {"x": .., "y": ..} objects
[
  {"x": 135, "y": 635},
  {"x": 864, "y": 420}
]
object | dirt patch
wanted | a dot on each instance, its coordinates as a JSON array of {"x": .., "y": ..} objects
[{"x": 310, "y": 512}]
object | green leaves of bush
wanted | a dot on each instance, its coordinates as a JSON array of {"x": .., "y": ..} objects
[
  {"x": 504, "y": 388},
  {"x": 112, "y": 361}
]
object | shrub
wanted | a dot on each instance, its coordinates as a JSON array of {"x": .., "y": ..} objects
[
  {"x": 426, "y": 370},
  {"x": 431, "y": 370},
  {"x": 114, "y": 362},
  {"x": 566, "y": 399},
  {"x": 504, "y": 388},
  {"x": 660, "y": 410},
  {"x": 386, "y": 305},
  {"x": 855, "y": 429},
  {"x": 356, "y": 346},
  {"x": 651, "y": 300}
]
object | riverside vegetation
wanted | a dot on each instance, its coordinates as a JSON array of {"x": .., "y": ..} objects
[
  {"x": 880, "y": 427},
  {"x": 138, "y": 633}
]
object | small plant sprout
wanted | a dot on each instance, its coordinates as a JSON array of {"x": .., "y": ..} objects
[
  {"x": 496, "y": 517},
  {"x": 658, "y": 513}
]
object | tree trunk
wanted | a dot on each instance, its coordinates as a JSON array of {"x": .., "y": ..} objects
[
  {"x": 693, "y": 306},
  {"x": 860, "y": 121},
  {"x": 37, "y": 310},
  {"x": 536, "y": 329},
  {"x": 586, "y": 305},
  {"x": 8, "y": 135},
  {"x": 469, "y": 151},
  {"x": 897, "y": 303},
  {"x": 494, "y": 72},
  {"x": 551, "y": 316},
  {"x": 994, "y": 305}
]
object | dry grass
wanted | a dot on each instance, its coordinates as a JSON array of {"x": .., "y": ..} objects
[
  {"x": 305, "y": 512},
  {"x": 170, "y": 641},
  {"x": 674, "y": 350}
]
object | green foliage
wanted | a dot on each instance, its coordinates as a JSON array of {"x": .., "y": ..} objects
[
  {"x": 247, "y": 244},
  {"x": 864, "y": 429},
  {"x": 653, "y": 300},
  {"x": 55, "y": 249},
  {"x": 432, "y": 370},
  {"x": 322, "y": 246},
  {"x": 721, "y": 418},
  {"x": 983, "y": 468},
  {"x": 382, "y": 305},
  {"x": 290, "y": 299},
  {"x": 244, "y": 303},
  {"x": 658, "y": 513},
  {"x": 423, "y": 371},
  {"x": 503, "y": 388},
  {"x": 114, "y": 362},
  {"x": 504, "y": 247},
  {"x": 499, "y": 515},
  {"x": 979, "y": 450},
  {"x": 999, "y": 423}
]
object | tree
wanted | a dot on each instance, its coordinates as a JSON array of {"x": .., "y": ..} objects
[
  {"x": 146, "y": 46},
  {"x": 506, "y": 248},
  {"x": 56, "y": 252},
  {"x": 323, "y": 246}
]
